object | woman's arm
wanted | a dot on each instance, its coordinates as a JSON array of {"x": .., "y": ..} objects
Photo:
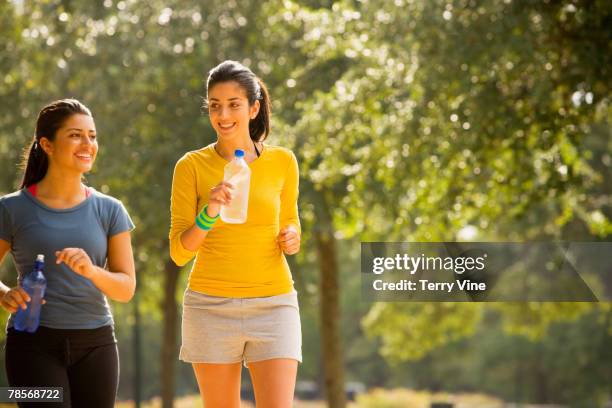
[
  {"x": 185, "y": 236},
  {"x": 289, "y": 237},
  {"x": 183, "y": 210},
  {"x": 193, "y": 238},
  {"x": 4, "y": 248},
  {"x": 11, "y": 298},
  {"x": 119, "y": 282}
]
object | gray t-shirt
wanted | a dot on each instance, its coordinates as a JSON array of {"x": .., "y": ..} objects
[{"x": 31, "y": 227}]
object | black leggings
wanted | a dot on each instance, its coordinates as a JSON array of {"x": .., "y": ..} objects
[{"x": 85, "y": 362}]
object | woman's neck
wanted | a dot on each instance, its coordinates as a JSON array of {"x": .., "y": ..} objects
[
  {"x": 226, "y": 148},
  {"x": 61, "y": 186}
]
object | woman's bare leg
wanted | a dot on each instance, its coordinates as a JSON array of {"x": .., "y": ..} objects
[
  {"x": 219, "y": 384},
  {"x": 274, "y": 382}
]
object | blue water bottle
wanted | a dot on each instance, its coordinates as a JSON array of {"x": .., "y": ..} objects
[{"x": 34, "y": 283}]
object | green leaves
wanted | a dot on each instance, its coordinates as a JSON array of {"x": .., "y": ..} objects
[
  {"x": 411, "y": 120},
  {"x": 409, "y": 331}
]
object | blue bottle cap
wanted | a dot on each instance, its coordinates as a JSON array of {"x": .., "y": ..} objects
[{"x": 239, "y": 153}]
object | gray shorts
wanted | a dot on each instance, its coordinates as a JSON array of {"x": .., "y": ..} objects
[{"x": 226, "y": 330}]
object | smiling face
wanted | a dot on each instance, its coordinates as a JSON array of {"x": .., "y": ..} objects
[
  {"x": 229, "y": 110},
  {"x": 75, "y": 146}
]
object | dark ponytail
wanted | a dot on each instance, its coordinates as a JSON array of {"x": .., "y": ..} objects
[
  {"x": 227, "y": 71},
  {"x": 35, "y": 161}
]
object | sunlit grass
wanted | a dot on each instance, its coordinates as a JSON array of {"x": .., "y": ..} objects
[
  {"x": 395, "y": 398},
  {"x": 194, "y": 401}
]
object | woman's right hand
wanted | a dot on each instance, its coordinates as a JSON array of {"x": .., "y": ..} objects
[
  {"x": 221, "y": 194},
  {"x": 14, "y": 299}
]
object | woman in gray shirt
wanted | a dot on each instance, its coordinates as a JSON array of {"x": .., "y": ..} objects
[{"x": 85, "y": 237}]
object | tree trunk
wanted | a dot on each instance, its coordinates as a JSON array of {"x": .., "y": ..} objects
[
  {"x": 168, "y": 348},
  {"x": 330, "y": 319}
]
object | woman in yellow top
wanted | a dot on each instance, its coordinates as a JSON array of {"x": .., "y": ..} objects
[{"x": 240, "y": 304}]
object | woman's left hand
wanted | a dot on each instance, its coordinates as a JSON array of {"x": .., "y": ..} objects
[
  {"x": 289, "y": 240},
  {"x": 78, "y": 260}
]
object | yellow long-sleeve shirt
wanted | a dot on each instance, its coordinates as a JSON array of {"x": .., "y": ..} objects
[{"x": 237, "y": 260}]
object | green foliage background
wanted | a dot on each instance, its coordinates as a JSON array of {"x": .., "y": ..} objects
[{"x": 411, "y": 120}]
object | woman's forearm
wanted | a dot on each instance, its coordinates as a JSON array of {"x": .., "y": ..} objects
[
  {"x": 118, "y": 286},
  {"x": 3, "y": 289},
  {"x": 193, "y": 237}
]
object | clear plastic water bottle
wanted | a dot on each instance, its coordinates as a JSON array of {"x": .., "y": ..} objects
[
  {"x": 35, "y": 284},
  {"x": 238, "y": 174}
]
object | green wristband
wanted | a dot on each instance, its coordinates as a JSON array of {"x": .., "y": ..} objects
[{"x": 205, "y": 221}]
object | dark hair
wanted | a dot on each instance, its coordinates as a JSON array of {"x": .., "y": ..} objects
[
  {"x": 228, "y": 71},
  {"x": 35, "y": 161}
]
